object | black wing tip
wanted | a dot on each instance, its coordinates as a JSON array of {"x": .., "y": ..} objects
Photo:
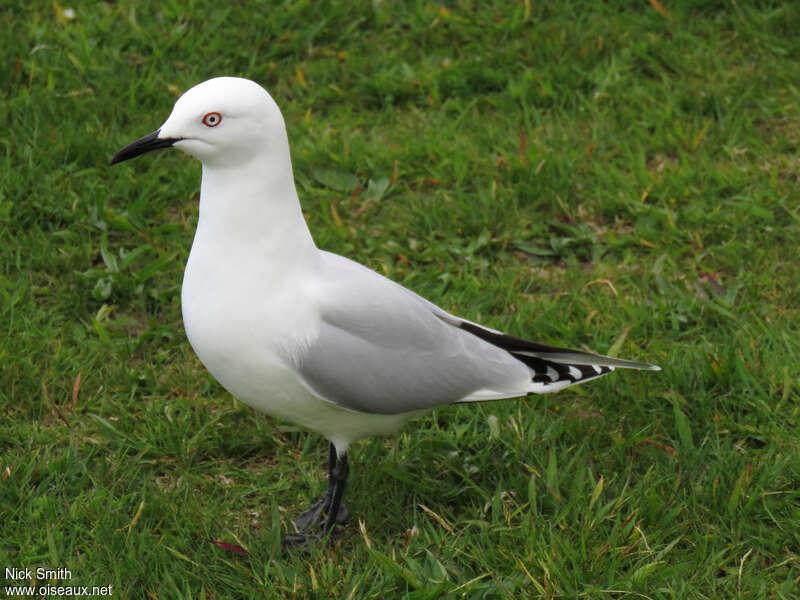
[
  {"x": 516, "y": 345},
  {"x": 510, "y": 342},
  {"x": 547, "y": 373}
]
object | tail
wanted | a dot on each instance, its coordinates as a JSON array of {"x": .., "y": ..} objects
[{"x": 554, "y": 368}]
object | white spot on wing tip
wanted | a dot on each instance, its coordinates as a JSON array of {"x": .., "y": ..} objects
[
  {"x": 552, "y": 373},
  {"x": 574, "y": 373},
  {"x": 597, "y": 369}
]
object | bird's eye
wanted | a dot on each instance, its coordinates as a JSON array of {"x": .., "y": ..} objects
[{"x": 212, "y": 119}]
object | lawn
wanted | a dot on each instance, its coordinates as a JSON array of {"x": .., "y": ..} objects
[{"x": 618, "y": 176}]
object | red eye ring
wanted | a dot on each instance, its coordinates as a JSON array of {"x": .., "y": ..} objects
[{"x": 212, "y": 119}]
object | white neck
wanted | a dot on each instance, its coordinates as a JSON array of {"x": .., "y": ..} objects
[{"x": 250, "y": 212}]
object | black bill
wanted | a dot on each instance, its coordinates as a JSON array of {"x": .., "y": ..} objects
[{"x": 143, "y": 145}]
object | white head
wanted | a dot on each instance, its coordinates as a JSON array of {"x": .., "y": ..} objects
[{"x": 223, "y": 121}]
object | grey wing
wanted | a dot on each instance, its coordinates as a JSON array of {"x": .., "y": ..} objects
[{"x": 382, "y": 349}]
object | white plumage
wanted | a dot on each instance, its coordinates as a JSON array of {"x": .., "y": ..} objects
[{"x": 309, "y": 336}]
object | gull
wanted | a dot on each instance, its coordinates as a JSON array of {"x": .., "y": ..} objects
[{"x": 309, "y": 336}]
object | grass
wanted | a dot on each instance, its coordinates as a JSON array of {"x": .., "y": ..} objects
[{"x": 604, "y": 175}]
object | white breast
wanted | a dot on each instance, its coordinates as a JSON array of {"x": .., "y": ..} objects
[{"x": 249, "y": 333}]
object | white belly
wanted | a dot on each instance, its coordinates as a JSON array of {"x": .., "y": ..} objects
[{"x": 251, "y": 350}]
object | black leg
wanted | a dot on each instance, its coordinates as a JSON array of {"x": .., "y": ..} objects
[
  {"x": 328, "y": 510},
  {"x": 314, "y": 515},
  {"x": 338, "y": 474},
  {"x": 322, "y": 507}
]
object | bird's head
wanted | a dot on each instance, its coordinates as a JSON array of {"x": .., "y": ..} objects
[{"x": 222, "y": 121}]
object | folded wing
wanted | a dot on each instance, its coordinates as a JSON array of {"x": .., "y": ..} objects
[{"x": 382, "y": 349}]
